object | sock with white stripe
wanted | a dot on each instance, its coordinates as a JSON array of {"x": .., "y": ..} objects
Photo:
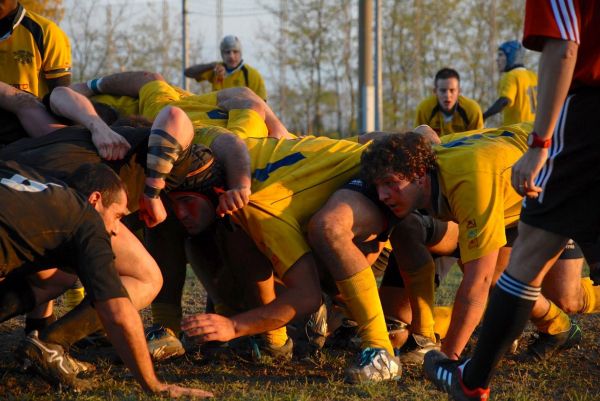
[{"x": 507, "y": 314}]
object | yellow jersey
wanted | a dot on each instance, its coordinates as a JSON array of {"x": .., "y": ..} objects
[
  {"x": 241, "y": 76},
  {"x": 201, "y": 109},
  {"x": 291, "y": 180},
  {"x": 474, "y": 188},
  {"x": 467, "y": 116},
  {"x": 36, "y": 50},
  {"x": 519, "y": 86}
]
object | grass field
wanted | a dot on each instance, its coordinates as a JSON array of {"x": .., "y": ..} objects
[{"x": 574, "y": 376}]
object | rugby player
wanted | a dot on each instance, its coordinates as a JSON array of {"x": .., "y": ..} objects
[
  {"x": 239, "y": 110},
  {"x": 291, "y": 180},
  {"x": 35, "y": 52},
  {"x": 447, "y": 111},
  {"x": 559, "y": 175},
  {"x": 474, "y": 193},
  {"x": 232, "y": 72},
  {"x": 169, "y": 161},
  {"x": 71, "y": 231},
  {"x": 517, "y": 89}
]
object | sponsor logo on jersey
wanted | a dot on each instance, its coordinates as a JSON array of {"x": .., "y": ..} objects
[{"x": 23, "y": 56}]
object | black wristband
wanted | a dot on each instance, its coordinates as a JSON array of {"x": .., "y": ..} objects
[{"x": 151, "y": 192}]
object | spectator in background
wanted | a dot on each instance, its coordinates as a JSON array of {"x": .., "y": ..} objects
[
  {"x": 231, "y": 72},
  {"x": 517, "y": 89},
  {"x": 447, "y": 111}
]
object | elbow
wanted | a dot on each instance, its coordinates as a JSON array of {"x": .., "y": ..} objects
[
  {"x": 173, "y": 113},
  {"x": 152, "y": 76},
  {"x": 570, "y": 50},
  {"x": 56, "y": 95}
]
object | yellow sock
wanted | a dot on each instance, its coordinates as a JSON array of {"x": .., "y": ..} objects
[
  {"x": 167, "y": 315},
  {"x": 360, "y": 294},
  {"x": 591, "y": 294},
  {"x": 277, "y": 337},
  {"x": 554, "y": 321},
  {"x": 420, "y": 283},
  {"x": 73, "y": 296},
  {"x": 442, "y": 316}
]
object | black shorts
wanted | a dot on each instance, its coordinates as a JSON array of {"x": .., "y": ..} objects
[
  {"x": 571, "y": 251},
  {"x": 570, "y": 179},
  {"x": 392, "y": 277}
]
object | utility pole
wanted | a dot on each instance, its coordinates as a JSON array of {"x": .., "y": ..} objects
[
  {"x": 184, "y": 44},
  {"x": 378, "y": 69},
  {"x": 365, "y": 61},
  {"x": 219, "y": 26},
  {"x": 283, "y": 12}
]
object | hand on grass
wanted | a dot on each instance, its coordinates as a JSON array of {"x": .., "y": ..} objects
[{"x": 209, "y": 327}]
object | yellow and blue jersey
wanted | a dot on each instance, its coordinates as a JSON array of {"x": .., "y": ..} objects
[
  {"x": 467, "y": 116},
  {"x": 519, "y": 86},
  {"x": 201, "y": 109},
  {"x": 242, "y": 76},
  {"x": 291, "y": 180},
  {"x": 474, "y": 170}
]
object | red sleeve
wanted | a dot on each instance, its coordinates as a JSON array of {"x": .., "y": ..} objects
[{"x": 558, "y": 19}]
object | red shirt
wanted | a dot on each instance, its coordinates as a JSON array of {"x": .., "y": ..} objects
[{"x": 574, "y": 20}]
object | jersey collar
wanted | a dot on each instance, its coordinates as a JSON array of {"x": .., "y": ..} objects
[
  {"x": 231, "y": 71},
  {"x": 16, "y": 20}
]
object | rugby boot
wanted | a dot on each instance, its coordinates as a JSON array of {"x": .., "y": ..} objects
[
  {"x": 163, "y": 344},
  {"x": 547, "y": 345},
  {"x": 374, "y": 365},
  {"x": 263, "y": 351},
  {"x": 415, "y": 348},
  {"x": 52, "y": 362},
  {"x": 316, "y": 329},
  {"x": 446, "y": 374}
]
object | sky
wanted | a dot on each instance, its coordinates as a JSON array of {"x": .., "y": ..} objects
[{"x": 241, "y": 18}]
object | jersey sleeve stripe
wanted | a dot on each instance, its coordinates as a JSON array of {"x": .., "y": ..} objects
[
  {"x": 566, "y": 21},
  {"x": 574, "y": 20},
  {"x": 58, "y": 71}
]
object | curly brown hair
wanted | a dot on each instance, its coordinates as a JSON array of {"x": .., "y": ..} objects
[{"x": 409, "y": 155}]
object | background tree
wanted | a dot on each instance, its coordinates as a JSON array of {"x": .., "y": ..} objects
[{"x": 52, "y": 9}]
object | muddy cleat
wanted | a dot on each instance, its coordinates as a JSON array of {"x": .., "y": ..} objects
[
  {"x": 316, "y": 329},
  {"x": 415, "y": 348},
  {"x": 163, "y": 344},
  {"x": 374, "y": 365},
  {"x": 261, "y": 351},
  {"x": 52, "y": 362},
  {"x": 345, "y": 336},
  {"x": 547, "y": 345},
  {"x": 446, "y": 374}
]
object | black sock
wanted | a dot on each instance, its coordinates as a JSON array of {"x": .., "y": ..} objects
[
  {"x": 38, "y": 323},
  {"x": 16, "y": 298},
  {"x": 80, "y": 322},
  {"x": 507, "y": 314}
]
